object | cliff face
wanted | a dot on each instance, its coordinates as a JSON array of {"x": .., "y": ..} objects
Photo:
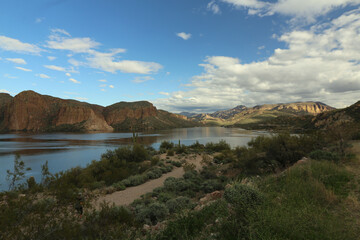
[
  {"x": 30, "y": 111},
  {"x": 305, "y": 107},
  {"x": 120, "y": 112}
]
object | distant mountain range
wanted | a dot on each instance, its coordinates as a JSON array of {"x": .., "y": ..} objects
[
  {"x": 244, "y": 115},
  {"x": 30, "y": 111}
]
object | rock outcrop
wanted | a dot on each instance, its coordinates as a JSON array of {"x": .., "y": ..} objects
[{"x": 30, "y": 111}]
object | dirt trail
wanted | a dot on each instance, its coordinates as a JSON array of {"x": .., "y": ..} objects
[{"x": 128, "y": 195}]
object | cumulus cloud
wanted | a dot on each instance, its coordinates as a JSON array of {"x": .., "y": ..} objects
[
  {"x": 306, "y": 10},
  {"x": 164, "y": 93},
  {"x": 102, "y": 80},
  {"x": 111, "y": 86},
  {"x": 142, "y": 79},
  {"x": 76, "y": 45},
  {"x": 321, "y": 64},
  {"x": 16, "y": 60},
  {"x": 68, "y": 74},
  {"x": 43, "y": 75},
  {"x": 213, "y": 7},
  {"x": 6, "y": 75},
  {"x": 183, "y": 35},
  {"x": 74, "y": 80},
  {"x": 14, "y": 45},
  {"x": 23, "y": 69},
  {"x": 108, "y": 63},
  {"x": 51, "y": 58}
]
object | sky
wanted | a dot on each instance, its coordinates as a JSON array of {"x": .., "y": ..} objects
[{"x": 188, "y": 55}]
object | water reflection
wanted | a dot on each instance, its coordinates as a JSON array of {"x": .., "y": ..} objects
[{"x": 66, "y": 150}]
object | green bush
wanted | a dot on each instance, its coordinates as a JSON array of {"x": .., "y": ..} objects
[
  {"x": 217, "y": 147},
  {"x": 324, "y": 155},
  {"x": 154, "y": 173},
  {"x": 211, "y": 185},
  {"x": 166, "y": 145},
  {"x": 152, "y": 214},
  {"x": 177, "y": 204},
  {"x": 243, "y": 196},
  {"x": 119, "y": 186},
  {"x": 170, "y": 152}
]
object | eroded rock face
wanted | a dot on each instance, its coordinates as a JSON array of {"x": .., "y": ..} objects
[
  {"x": 31, "y": 111},
  {"x": 119, "y": 112}
]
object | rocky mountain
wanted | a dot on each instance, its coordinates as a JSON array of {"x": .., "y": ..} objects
[
  {"x": 244, "y": 115},
  {"x": 30, "y": 111},
  {"x": 349, "y": 116}
]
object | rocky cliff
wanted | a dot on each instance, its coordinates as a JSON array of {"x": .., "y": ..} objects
[{"x": 30, "y": 111}]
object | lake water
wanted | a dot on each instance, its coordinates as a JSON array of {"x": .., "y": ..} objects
[{"x": 67, "y": 150}]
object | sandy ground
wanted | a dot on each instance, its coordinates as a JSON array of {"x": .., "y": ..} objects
[{"x": 128, "y": 195}]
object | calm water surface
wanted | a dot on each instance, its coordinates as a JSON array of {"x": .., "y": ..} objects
[{"x": 67, "y": 150}]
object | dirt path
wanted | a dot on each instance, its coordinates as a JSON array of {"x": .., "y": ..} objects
[{"x": 128, "y": 195}]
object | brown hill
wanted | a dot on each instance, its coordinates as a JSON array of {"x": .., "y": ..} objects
[
  {"x": 261, "y": 113},
  {"x": 30, "y": 111}
]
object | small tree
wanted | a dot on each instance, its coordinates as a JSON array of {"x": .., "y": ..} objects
[
  {"x": 46, "y": 176},
  {"x": 18, "y": 174}
]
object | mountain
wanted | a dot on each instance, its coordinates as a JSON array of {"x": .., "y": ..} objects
[
  {"x": 30, "y": 111},
  {"x": 241, "y": 115},
  {"x": 349, "y": 116}
]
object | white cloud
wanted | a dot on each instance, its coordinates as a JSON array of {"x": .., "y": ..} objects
[
  {"x": 183, "y": 35},
  {"x": 103, "y": 90},
  {"x": 75, "y": 62},
  {"x": 68, "y": 74},
  {"x": 4, "y": 91},
  {"x": 261, "y": 47},
  {"x": 142, "y": 79},
  {"x": 23, "y": 69},
  {"x": 107, "y": 62},
  {"x": 213, "y": 7},
  {"x": 42, "y": 75},
  {"x": 74, "y": 80},
  {"x": 102, "y": 80},
  {"x": 319, "y": 64},
  {"x": 56, "y": 68},
  {"x": 56, "y": 31},
  {"x": 111, "y": 86},
  {"x": 103, "y": 85},
  {"x": 51, "y": 58},
  {"x": 76, "y": 45},
  {"x": 16, "y": 60},
  {"x": 164, "y": 93},
  {"x": 305, "y": 10},
  {"x": 14, "y": 45},
  {"x": 81, "y": 98}
]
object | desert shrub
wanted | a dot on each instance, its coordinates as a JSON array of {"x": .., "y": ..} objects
[
  {"x": 155, "y": 160},
  {"x": 197, "y": 146},
  {"x": 226, "y": 156},
  {"x": 211, "y": 185},
  {"x": 176, "y": 184},
  {"x": 217, "y": 147},
  {"x": 119, "y": 186},
  {"x": 154, "y": 173},
  {"x": 189, "y": 167},
  {"x": 97, "y": 184},
  {"x": 136, "y": 180},
  {"x": 176, "y": 163},
  {"x": 243, "y": 196},
  {"x": 170, "y": 152},
  {"x": 152, "y": 213},
  {"x": 181, "y": 149},
  {"x": 166, "y": 145},
  {"x": 177, "y": 204},
  {"x": 324, "y": 155}
]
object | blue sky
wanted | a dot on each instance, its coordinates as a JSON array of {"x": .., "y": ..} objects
[{"x": 188, "y": 55}]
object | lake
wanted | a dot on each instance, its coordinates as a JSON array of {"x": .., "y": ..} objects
[{"x": 67, "y": 150}]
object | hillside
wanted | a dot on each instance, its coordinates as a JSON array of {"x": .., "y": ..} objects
[
  {"x": 30, "y": 111},
  {"x": 245, "y": 116}
]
